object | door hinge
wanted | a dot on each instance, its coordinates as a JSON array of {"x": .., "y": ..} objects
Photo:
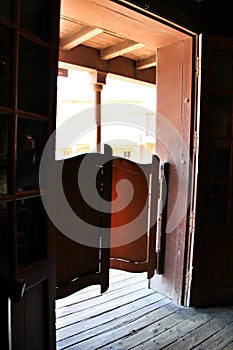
[
  {"x": 198, "y": 66},
  {"x": 188, "y": 277},
  {"x": 191, "y": 222},
  {"x": 195, "y": 142}
]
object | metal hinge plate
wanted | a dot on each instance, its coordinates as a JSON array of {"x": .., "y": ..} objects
[
  {"x": 195, "y": 142},
  {"x": 198, "y": 66}
]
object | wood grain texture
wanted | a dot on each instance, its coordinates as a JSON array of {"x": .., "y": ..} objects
[{"x": 131, "y": 316}]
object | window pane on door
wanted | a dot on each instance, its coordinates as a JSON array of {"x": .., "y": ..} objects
[
  {"x": 29, "y": 150},
  {"x": 31, "y": 230},
  {"x": 7, "y": 9},
  {"x": 31, "y": 14},
  {"x": 5, "y": 66},
  {"x": 3, "y": 154},
  {"x": 4, "y": 238},
  {"x": 33, "y": 63}
]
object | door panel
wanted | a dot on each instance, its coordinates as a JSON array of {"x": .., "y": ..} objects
[
  {"x": 212, "y": 281},
  {"x": 174, "y": 82},
  {"x": 33, "y": 303},
  {"x": 79, "y": 265},
  {"x": 29, "y": 56},
  {"x": 132, "y": 235}
]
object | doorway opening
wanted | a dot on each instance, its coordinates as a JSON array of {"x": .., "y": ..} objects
[
  {"x": 109, "y": 39},
  {"x": 75, "y": 95}
]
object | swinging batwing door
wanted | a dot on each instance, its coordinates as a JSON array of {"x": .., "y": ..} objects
[
  {"x": 83, "y": 257},
  {"x": 82, "y": 248},
  {"x": 212, "y": 280},
  {"x": 29, "y": 56},
  {"x": 174, "y": 80},
  {"x": 135, "y": 190}
]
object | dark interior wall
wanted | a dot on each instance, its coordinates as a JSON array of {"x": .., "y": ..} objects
[{"x": 207, "y": 16}]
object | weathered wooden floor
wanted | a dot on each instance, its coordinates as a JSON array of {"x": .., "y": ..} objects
[{"x": 131, "y": 316}]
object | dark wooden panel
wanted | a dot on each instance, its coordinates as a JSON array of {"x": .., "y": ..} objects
[
  {"x": 132, "y": 235},
  {"x": 4, "y": 325},
  {"x": 30, "y": 317},
  {"x": 213, "y": 260},
  {"x": 75, "y": 257},
  {"x": 82, "y": 260}
]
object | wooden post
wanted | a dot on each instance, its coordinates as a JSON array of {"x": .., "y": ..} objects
[{"x": 98, "y": 80}]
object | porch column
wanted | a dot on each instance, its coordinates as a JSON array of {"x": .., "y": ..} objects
[{"x": 98, "y": 80}]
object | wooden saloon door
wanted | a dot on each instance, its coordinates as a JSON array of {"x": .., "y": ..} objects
[
  {"x": 79, "y": 262},
  {"x": 82, "y": 258},
  {"x": 174, "y": 82},
  {"x": 133, "y": 222},
  {"x": 212, "y": 280},
  {"x": 28, "y": 70}
]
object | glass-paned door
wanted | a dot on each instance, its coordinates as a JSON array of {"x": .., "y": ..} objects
[{"x": 28, "y": 71}]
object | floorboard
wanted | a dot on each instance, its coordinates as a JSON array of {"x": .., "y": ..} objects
[{"x": 131, "y": 316}]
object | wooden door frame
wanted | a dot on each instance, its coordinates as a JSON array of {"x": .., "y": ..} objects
[
  {"x": 194, "y": 181},
  {"x": 185, "y": 242}
]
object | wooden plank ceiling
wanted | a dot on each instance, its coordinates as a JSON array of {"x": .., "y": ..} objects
[{"x": 106, "y": 31}]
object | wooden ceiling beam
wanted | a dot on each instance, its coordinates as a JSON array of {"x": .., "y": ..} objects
[
  {"x": 119, "y": 49},
  {"x": 115, "y": 18},
  {"x": 78, "y": 37},
  {"x": 147, "y": 62},
  {"x": 89, "y": 58}
]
